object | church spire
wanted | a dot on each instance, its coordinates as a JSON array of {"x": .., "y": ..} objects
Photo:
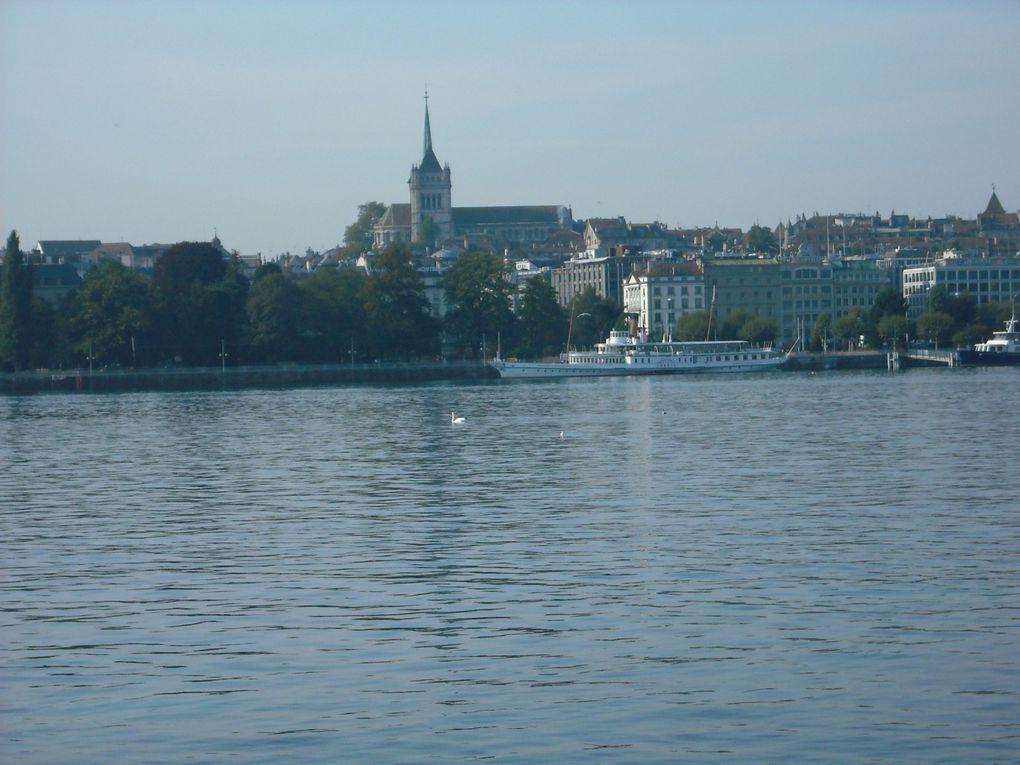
[{"x": 428, "y": 130}]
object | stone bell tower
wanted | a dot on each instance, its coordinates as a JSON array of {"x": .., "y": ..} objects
[{"x": 430, "y": 190}]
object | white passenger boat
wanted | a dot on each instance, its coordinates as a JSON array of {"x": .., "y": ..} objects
[
  {"x": 622, "y": 354},
  {"x": 1003, "y": 349}
]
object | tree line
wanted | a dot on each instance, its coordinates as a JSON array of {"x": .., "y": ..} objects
[
  {"x": 197, "y": 308},
  {"x": 947, "y": 321}
]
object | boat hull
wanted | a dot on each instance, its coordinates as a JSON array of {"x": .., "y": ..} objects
[
  {"x": 988, "y": 359},
  {"x": 554, "y": 369}
]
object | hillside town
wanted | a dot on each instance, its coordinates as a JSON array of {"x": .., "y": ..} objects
[{"x": 811, "y": 267}]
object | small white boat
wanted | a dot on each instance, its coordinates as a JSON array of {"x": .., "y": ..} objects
[{"x": 622, "y": 354}]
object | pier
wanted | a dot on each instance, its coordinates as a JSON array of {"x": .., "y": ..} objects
[{"x": 930, "y": 357}]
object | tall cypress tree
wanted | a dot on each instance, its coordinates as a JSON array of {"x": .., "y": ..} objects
[{"x": 15, "y": 307}]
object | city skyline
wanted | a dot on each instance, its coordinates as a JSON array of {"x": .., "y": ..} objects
[{"x": 269, "y": 124}]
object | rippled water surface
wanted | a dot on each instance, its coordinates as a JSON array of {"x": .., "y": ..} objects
[{"x": 777, "y": 568}]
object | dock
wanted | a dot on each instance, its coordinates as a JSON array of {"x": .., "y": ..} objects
[{"x": 930, "y": 357}]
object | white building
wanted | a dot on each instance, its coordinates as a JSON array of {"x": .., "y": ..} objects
[
  {"x": 658, "y": 298},
  {"x": 988, "y": 280}
]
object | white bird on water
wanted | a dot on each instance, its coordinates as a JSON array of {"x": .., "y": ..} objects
[{"x": 455, "y": 419}]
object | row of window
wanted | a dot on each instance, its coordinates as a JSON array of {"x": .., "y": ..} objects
[
  {"x": 430, "y": 201},
  {"x": 683, "y": 290}
]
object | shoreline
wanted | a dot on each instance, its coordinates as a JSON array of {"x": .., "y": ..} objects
[{"x": 300, "y": 375}]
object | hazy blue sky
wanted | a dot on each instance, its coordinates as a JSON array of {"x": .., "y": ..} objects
[{"x": 270, "y": 122}]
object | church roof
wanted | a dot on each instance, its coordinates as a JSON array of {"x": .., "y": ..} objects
[
  {"x": 476, "y": 216},
  {"x": 65, "y": 248},
  {"x": 994, "y": 206},
  {"x": 396, "y": 215}
]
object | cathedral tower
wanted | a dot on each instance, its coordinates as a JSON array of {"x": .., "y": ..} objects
[{"x": 430, "y": 190}]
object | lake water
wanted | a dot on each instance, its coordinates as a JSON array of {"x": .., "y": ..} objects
[{"x": 781, "y": 568}]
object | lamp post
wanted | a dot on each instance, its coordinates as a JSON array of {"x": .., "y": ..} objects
[{"x": 570, "y": 328}]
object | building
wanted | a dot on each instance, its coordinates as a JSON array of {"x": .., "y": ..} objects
[
  {"x": 605, "y": 276},
  {"x": 748, "y": 284},
  {"x": 659, "y": 297},
  {"x": 53, "y": 281},
  {"x": 988, "y": 280},
  {"x": 603, "y": 235},
  {"x": 498, "y": 228},
  {"x": 795, "y": 293}
]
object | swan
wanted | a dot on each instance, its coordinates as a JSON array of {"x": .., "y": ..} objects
[{"x": 455, "y": 419}]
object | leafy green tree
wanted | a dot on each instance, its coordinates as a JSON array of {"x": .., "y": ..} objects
[
  {"x": 428, "y": 232},
  {"x": 938, "y": 299},
  {"x": 399, "y": 319},
  {"x": 936, "y": 327},
  {"x": 542, "y": 321},
  {"x": 758, "y": 331},
  {"x": 48, "y": 346},
  {"x": 692, "y": 326},
  {"x": 334, "y": 314},
  {"x": 593, "y": 318},
  {"x": 358, "y": 236},
  {"x": 761, "y": 239},
  {"x": 265, "y": 270},
  {"x": 274, "y": 318},
  {"x": 849, "y": 328},
  {"x": 821, "y": 333},
  {"x": 478, "y": 294},
  {"x": 188, "y": 263},
  {"x": 110, "y": 315},
  {"x": 15, "y": 307},
  {"x": 893, "y": 330},
  {"x": 200, "y": 298},
  {"x": 729, "y": 327},
  {"x": 888, "y": 302}
]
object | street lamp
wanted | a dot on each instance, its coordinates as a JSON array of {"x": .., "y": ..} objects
[{"x": 570, "y": 328}]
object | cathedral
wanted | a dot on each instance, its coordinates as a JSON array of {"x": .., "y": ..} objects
[{"x": 455, "y": 228}]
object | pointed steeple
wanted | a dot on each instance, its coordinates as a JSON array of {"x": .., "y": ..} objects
[
  {"x": 429, "y": 163},
  {"x": 428, "y": 129},
  {"x": 994, "y": 205}
]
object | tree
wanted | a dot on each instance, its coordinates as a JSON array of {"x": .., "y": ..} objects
[
  {"x": 358, "y": 236},
  {"x": 15, "y": 307},
  {"x": 334, "y": 314},
  {"x": 761, "y": 239},
  {"x": 692, "y": 326},
  {"x": 399, "y": 319},
  {"x": 888, "y": 302},
  {"x": 110, "y": 315},
  {"x": 200, "y": 300},
  {"x": 893, "y": 330},
  {"x": 729, "y": 327},
  {"x": 592, "y": 318},
  {"x": 758, "y": 331},
  {"x": 542, "y": 322},
  {"x": 274, "y": 318},
  {"x": 478, "y": 295},
  {"x": 428, "y": 232},
  {"x": 821, "y": 333},
  {"x": 935, "y": 326},
  {"x": 849, "y": 328}
]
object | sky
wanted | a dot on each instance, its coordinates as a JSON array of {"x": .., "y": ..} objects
[{"x": 268, "y": 122}]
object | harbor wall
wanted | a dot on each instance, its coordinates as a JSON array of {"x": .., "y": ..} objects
[{"x": 216, "y": 378}]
